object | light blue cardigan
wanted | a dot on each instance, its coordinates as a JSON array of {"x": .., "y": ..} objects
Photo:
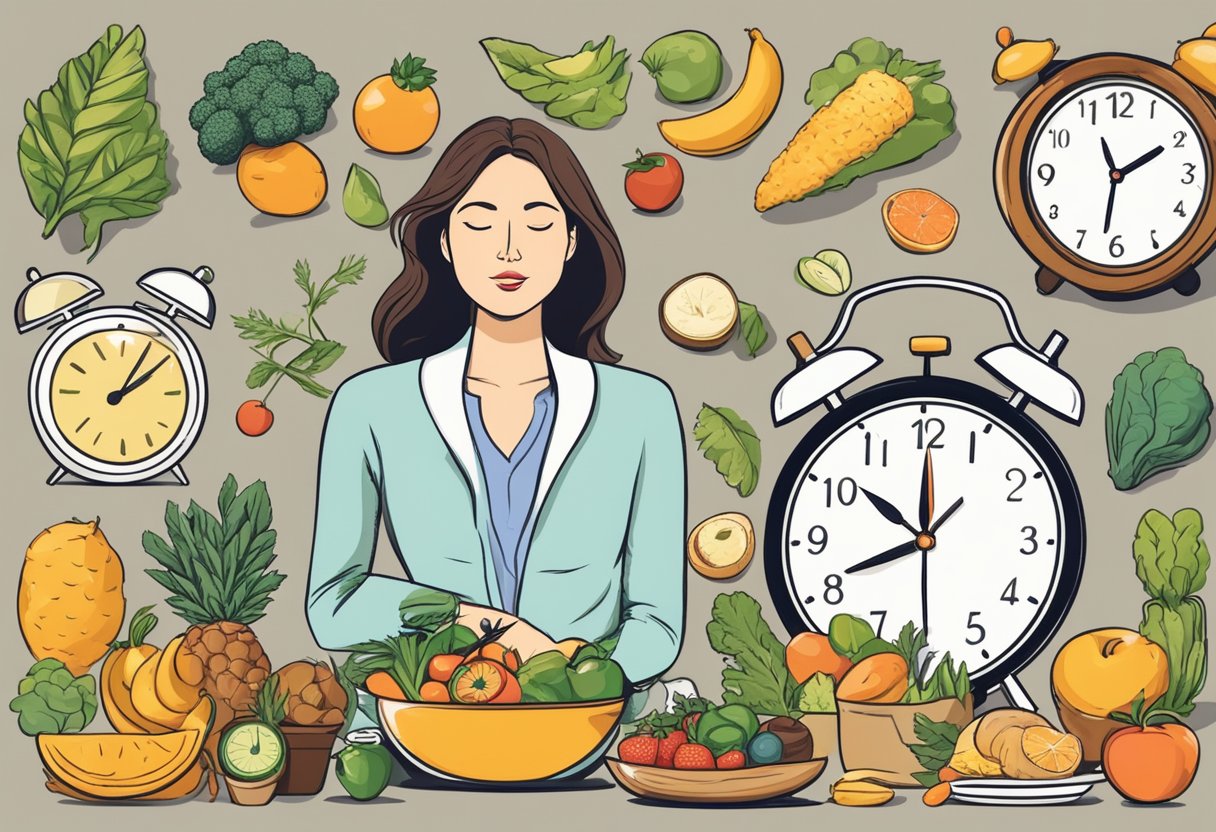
[{"x": 607, "y": 546}]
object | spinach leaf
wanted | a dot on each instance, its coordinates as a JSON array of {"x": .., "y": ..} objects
[
  {"x": 751, "y": 325},
  {"x": 92, "y": 144},
  {"x": 731, "y": 444}
]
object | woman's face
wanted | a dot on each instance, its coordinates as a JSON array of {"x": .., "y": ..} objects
[{"x": 507, "y": 238}]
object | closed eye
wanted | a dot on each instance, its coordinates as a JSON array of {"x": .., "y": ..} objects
[
  {"x": 540, "y": 227},
  {"x": 472, "y": 227}
]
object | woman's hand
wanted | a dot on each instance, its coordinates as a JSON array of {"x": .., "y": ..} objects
[{"x": 522, "y": 636}]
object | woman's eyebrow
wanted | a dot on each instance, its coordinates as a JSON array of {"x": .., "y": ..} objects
[
  {"x": 532, "y": 205},
  {"x": 489, "y": 206}
]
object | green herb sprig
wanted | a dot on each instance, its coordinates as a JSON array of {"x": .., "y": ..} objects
[{"x": 319, "y": 352}]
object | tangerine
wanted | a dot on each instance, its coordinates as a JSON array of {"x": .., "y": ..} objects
[{"x": 919, "y": 220}]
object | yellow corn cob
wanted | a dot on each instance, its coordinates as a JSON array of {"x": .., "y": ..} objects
[{"x": 853, "y": 125}]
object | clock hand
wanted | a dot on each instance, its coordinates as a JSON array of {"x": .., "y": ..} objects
[
  {"x": 888, "y": 511},
  {"x": 946, "y": 515},
  {"x": 1110, "y": 205},
  {"x": 926, "y": 491},
  {"x": 138, "y": 363},
  {"x": 886, "y": 557},
  {"x": 1143, "y": 160},
  {"x": 1110, "y": 160},
  {"x": 117, "y": 395}
]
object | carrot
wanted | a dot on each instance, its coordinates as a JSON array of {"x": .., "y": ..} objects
[
  {"x": 937, "y": 795},
  {"x": 383, "y": 685},
  {"x": 949, "y": 775},
  {"x": 441, "y": 667}
]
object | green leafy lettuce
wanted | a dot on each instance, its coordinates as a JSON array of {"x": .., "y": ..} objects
[
  {"x": 92, "y": 143},
  {"x": 50, "y": 700},
  {"x": 1158, "y": 416},
  {"x": 1172, "y": 562},
  {"x": 936, "y": 747},
  {"x": 587, "y": 92},
  {"x": 757, "y": 676},
  {"x": 932, "y": 123},
  {"x": 731, "y": 444},
  {"x": 817, "y": 695}
]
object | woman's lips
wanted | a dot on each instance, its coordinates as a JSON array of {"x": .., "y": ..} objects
[{"x": 509, "y": 281}]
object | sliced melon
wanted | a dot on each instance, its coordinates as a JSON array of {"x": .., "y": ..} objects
[
  {"x": 173, "y": 691},
  {"x": 188, "y": 785},
  {"x": 120, "y": 766}
]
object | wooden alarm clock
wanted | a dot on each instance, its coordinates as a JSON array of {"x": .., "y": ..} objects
[{"x": 1104, "y": 174}]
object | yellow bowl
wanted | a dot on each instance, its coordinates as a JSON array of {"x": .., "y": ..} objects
[{"x": 500, "y": 743}]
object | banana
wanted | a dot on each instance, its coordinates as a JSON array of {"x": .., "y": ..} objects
[
  {"x": 171, "y": 689},
  {"x": 145, "y": 700},
  {"x": 737, "y": 120}
]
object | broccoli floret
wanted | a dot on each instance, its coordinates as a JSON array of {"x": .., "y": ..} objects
[
  {"x": 326, "y": 87},
  {"x": 216, "y": 81},
  {"x": 277, "y": 95},
  {"x": 243, "y": 97},
  {"x": 269, "y": 53},
  {"x": 201, "y": 111},
  {"x": 308, "y": 104},
  {"x": 266, "y": 94},
  {"x": 278, "y": 126},
  {"x": 299, "y": 69},
  {"x": 237, "y": 68},
  {"x": 260, "y": 77},
  {"x": 222, "y": 137}
]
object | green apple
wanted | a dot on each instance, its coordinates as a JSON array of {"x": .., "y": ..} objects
[{"x": 364, "y": 769}]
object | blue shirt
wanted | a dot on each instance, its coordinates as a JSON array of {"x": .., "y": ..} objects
[{"x": 510, "y": 489}]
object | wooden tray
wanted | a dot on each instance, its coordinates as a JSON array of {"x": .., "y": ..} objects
[{"x": 744, "y": 785}]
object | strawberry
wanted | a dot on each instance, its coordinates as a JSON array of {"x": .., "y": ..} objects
[
  {"x": 667, "y": 748},
  {"x": 640, "y": 749},
  {"x": 690, "y": 721},
  {"x": 732, "y": 759},
  {"x": 690, "y": 755}
]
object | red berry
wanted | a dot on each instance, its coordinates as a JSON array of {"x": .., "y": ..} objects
[
  {"x": 690, "y": 755},
  {"x": 667, "y": 748},
  {"x": 732, "y": 759},
  {"x": 254, "y": 418},
  {"x": 640, "y": 749}
]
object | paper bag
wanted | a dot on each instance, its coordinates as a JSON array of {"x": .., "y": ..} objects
[{"x": 877, "y": 736}]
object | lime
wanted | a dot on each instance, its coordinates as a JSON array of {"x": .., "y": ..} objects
[{"x": 252, "y": 751}]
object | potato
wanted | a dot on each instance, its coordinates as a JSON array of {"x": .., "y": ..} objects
[
  {"x": 312, "y": 695},
  {"x": 333, "y": 693},
  {"x": 334, "y": 716},
  {"x": 305, "y": 714}
]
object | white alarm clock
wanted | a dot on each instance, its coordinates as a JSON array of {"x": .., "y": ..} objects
[
  {"x": 117, "y": 394},
  {"x": 929, "y": 500}
]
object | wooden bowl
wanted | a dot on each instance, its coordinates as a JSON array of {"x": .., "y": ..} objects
[{"x": 741, "y": 785}]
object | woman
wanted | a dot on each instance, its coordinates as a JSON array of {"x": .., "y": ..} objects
[{"x": 512, "y": 463}]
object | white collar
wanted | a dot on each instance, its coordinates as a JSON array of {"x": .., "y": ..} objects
[{"x": 442, "y": 380}]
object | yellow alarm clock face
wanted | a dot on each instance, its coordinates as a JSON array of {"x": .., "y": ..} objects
[{"x": 119, "y": 395}]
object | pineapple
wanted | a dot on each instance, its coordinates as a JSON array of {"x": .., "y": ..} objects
[
  {"x": 69, "y": 602},
  {"x": 218, "y": 572}
]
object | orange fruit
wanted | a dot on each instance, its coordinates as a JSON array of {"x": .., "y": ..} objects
[
  {"x": 511, "y": 691},
  {"x": 478, "y": 682},
  {"x": 811, "y": 653},
  {"x": 285, "y": 181},
  {"x": 919, "y": 221},
  {"x": 441, "y": 667},
  {"x": 398, "y": 112}
]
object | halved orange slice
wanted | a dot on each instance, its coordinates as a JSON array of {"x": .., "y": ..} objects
[
  {"x": 478, "y": 682},
  {"x": 919, "y": 221}
]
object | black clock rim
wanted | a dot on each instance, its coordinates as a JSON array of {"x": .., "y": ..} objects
[{"x": 1072, "y": 556}]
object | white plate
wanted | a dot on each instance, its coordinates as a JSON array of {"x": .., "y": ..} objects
[{"x": 991, "y": 791}]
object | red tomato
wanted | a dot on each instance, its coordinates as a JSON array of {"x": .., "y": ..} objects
[
  {"x": 654, "y": 181},
  {"x": 1154, "y": 764}
]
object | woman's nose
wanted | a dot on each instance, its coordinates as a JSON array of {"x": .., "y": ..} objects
[{"x": 509, "y": 253}]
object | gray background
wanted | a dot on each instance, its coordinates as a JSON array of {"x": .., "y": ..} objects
[{"x": 714, "y": 229}]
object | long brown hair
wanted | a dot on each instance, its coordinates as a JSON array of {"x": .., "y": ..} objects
[{"x": 425, "y": 311}]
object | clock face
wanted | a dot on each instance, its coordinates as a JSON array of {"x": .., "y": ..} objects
[
  {"x": 1116, "y": 171},
  {"x": 986, "y": 581},
  {"x": 119, "y": 395}
]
